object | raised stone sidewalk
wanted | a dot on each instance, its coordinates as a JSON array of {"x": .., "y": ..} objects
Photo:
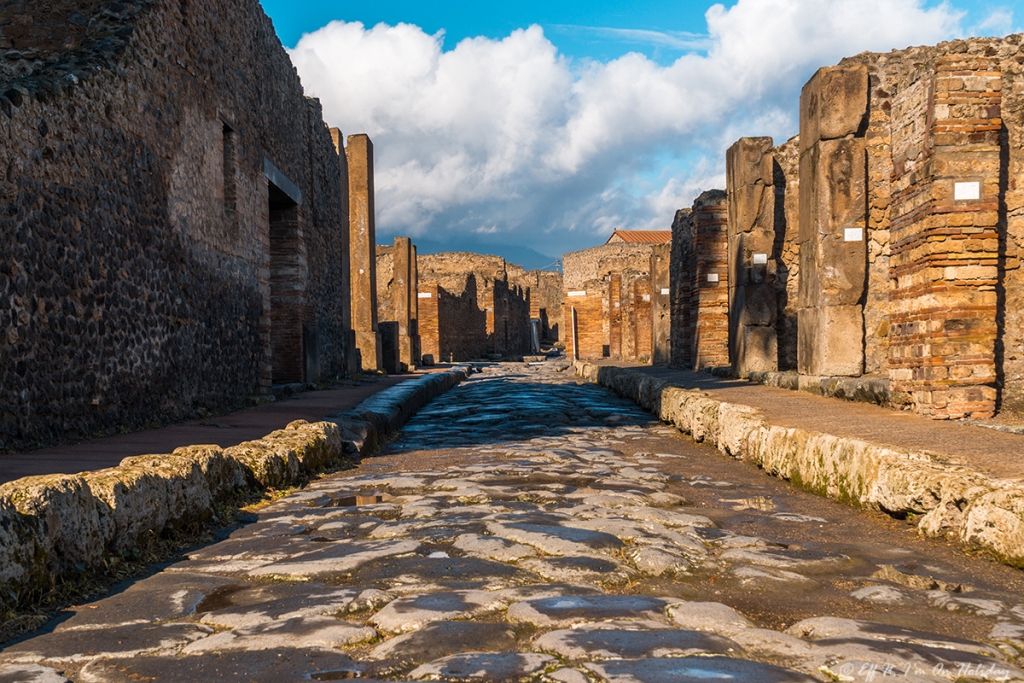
[
  {"x": 59, "y": 524},
  {"x": 965, "y": 483}
]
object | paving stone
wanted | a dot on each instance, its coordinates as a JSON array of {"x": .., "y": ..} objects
[
  {"x": 567, "y": 610},
  {"x": 579, "y": 569},
  {"x": 693, "y": 669},
  {"x": 598, "y": 642},
  {"x": 708, "y": 616},
  {"x": 263, "y": 666},
  {"x": 485, "y": 666},
  {"x": 799, "y": 519},
  {"x": 300, "y": 632},
  {"x": 658, "y": 561},
  {"x": 817, "y": 628},
  {"x": 337, "y": 558},
  {"x": 784, "y": 559},
  {"x": 268, "y": 602},
  {"x": 29, "y": 673},
  {"x": 555, "y": 540},
  {"x": 568, "y": 676},
  {"x": 885, "y": 595},
  {"x": 453, "y": 572},
  {"x": 412, "y": 612},
  {"x": 161, "y": 597},
  {"x": 126, "y": 641},
  {"x": 441, "y": 638},
  {"x": 492, "y": 548},
  {"x": 765, "y": 575}
]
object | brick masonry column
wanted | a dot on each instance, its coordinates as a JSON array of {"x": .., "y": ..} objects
[
  {"x": 661, "y": 309},
  {"x": 833, "y": 204},
  {"x": 642, "y": 321},
  {"x": 615, "y": 316},
  {"x": 414, "y": 306},
  {"x": 750, "y": 179},
  {"x": 351, "y": 365},
  {"x": 945, "y": 238},
  {"x": 362, "y": 250},
  {"x": 430, "y": 336},
  {"x": 402, "y": 295},
  {"x": 709, "y": 299}
]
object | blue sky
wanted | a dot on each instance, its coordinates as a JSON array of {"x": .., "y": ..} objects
[{"x": 607, "y": 115}]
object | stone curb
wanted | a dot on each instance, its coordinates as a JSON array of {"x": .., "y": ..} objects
[
  {"x": 954, "y": 501},
  {"x": 54, "y": 525}
]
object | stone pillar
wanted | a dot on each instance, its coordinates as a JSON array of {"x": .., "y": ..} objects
[
  {"x": 402, "y": 297},
  {"x": 682, "y": 244},
  {"x": 709, "y": 299},
  {"x": 661, "y": 311},
  {"x": 833, "y": 204},
  {"x": 362, "y": 248},
  {"x": 587, "y": 308},
  {"x": 945, "y": 237},
  {"x": 615, "y": 316},
  {"x": 750, "y": 171}
]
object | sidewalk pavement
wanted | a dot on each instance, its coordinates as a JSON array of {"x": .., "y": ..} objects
[
  {"x": 999, "y": 454},
  {"x": 224, "y": 431}
]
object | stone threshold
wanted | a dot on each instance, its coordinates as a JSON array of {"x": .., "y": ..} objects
[
  {"x": 61, "y": 525},
  {"x": 950, "y": 500}
]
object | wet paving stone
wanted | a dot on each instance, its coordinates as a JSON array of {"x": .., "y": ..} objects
[{"x": 529, "y": 527}]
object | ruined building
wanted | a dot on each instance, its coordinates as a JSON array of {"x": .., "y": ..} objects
[
  {"x": 175, "y": 221},
  {"x": 884, "y": 242},
  {"x": 612, "y": 302},
  {"x": 398, "y": 305},
  {"x": 473, "y": 305}
]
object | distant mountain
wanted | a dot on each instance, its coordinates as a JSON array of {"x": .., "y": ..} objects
[{"x": 528, "y": 258}]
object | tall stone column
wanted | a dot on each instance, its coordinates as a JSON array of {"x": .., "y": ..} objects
[
  {"x": 661, "y": 313},
  {"x": 833, "y": 205},
  {"x": 681, "y": 284},
  {"x": 615, "y": 316},
  {"x": 750, "y": 171},
  {"x": 414, "y": 307},
  {"x": 362, "y": 249}
]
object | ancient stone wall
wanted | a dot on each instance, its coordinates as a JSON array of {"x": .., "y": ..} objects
[
  {"x": 612, "y": 271},
  {"x": 164, "y": 183},
  {"x": 786, "y": 250},
  {"x": 362, "y": 250},
  {"x": 661, "y": 308},
  {"x": 480, "y": 311},
  {"x": 546, "y": 294},
  {"x": 397, "y": 289}
]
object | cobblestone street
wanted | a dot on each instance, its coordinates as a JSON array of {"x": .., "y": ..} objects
[{"x": 529, "y": 527}]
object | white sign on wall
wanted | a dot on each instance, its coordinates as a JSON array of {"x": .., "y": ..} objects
[
  {"x": 712, "y": 277},
  {"x": 578, "y": 293},
  {"x": 760, "y": 259},
  {"x": 424, "y": 295},
  {"x": 853, "y": 235},
  {"x": 664, "y": 291},
  {"x": 966, "y": 191},
  {"x": 647, "y": 297}
]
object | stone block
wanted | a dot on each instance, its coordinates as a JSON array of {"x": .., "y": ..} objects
[
  {"x": 831, "y": 341},
  {"x": 833, "y": 104},
  {"x": 758, "y": 350}
]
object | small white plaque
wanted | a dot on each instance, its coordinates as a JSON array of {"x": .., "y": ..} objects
[
  {"x": 578, "y": 293},
  {"x": 712, "y": 277},
  {"x": 647, "y": 297},
  {"x": 424, "y": 295},
  {"x": 853, "y": 235},
  {"x": 664, "y": 291},
  {"x": 617, "y": 304},
  {"x": 760, "y": 259},
  {"x": 965, "y": 191}
]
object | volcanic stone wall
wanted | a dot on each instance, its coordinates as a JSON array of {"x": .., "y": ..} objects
[
  {"x": 545, "y": 294},
  {"x": 397, "y": 295},
  {"x": 164, "y": 180}
]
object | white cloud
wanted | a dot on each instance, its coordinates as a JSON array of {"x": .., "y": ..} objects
[{"x": 507, "y": 137}]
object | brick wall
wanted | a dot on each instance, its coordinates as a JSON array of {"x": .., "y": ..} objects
[
  {"x": 135, "y": 273},
  {"x": 589, "y": 307},
  {"x": 680, "y": 285}
]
